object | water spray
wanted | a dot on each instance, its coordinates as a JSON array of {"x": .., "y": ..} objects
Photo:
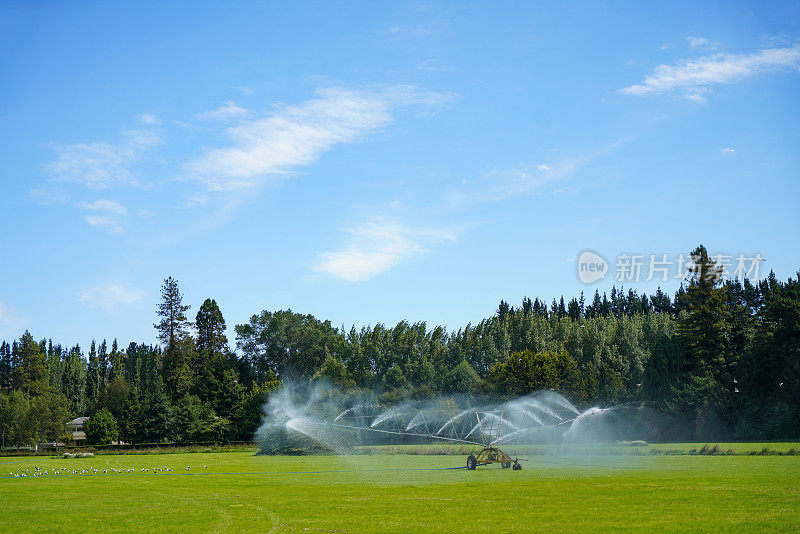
[{"x": 338, "y": 421}]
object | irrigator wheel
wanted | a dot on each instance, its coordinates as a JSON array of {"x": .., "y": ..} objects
[
  {"x": 506, "y": 465},
  {"x": 472, "y": 463},
  {"x": 517, "y": 466}
]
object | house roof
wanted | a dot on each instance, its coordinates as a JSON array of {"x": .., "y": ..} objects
[{"x": 78, "y": 421}]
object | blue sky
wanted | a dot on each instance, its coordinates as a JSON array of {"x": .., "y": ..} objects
[{"x": 369, "y": 162}]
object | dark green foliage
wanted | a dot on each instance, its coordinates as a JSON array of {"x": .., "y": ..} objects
[
  {"x": 249, "y": 415},
  {"x": 705, "y": 381},
  {"x": 155, "y": 417},
  {"x": 210, "y": 329},
  {"x": 5, "y": 366},
  {"x": 334, "y": 371},
  {"x": 29, "y": 419},
  {"x": 101, "y": 428},
  {"x": 173, "y": 324},
  {"x": 395, "y": 379},
  {"x": 173, "y": 332},
  {"x": 92, "y": 376},
  {"x": 73, "y": 379},
  {"x": 463, "y": 379},
  {"x": 185, "y": 423},
  {"x": 284, "y": 342},
  {"x": 29, "y": 368},
  {"x": 525, "y": 372},
  {"x": 129, "y": 419}
]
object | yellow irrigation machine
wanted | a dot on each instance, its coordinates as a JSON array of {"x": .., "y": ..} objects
[{"x": 490, "y": 424}]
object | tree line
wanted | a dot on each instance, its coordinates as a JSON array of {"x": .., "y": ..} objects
[
  {"x": 719, "y": 359},
  {"x": 189, "y": 388}
]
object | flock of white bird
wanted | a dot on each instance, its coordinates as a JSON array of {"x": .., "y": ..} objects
[{"x": 64, "y": 471}]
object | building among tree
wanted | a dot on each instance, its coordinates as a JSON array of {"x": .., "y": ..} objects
[{"x": 75, "y": 431}]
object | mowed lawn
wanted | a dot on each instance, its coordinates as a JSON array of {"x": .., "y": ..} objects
[{"x": 381, "y": 493}]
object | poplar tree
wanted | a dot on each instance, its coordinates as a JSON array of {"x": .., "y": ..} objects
[
  {"x": 5, "y": 366},
  {"x": 72, "y": 379},
  {"x": 92, "y": 375},
  {"x": 115, "y": 360},
  {"x": 102, "y": 362}
]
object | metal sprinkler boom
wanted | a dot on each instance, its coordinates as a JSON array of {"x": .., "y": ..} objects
[{"x": 488, "y": 427}]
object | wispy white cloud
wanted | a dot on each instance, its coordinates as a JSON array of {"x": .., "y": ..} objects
[
  {"x": 700, "y": 42},
  {"x": 697, "y": 97},
  {"x": 377, "y": 246},
  {"x": 106, "y": 222},
  {"x": 149, "y": 118},
  {"x": 109, "y": 297},
  {"x": 409, "y": 30},
  {"x": 107, "y": 215},
  {"x": 696, "y": 76},
  {"x": 47, "y": 194},
  {"x": 226, "y": 112},
  {"x": 105, "y": 205},
  {"x": 727, "y": 151},
  {"x": 270, "y": 147},
  {"x": 501, "y": 184},
  {"x": 195, "y": 201},
  {"x": 100, "y": 165},
  {"x": 10, "y": 321}
]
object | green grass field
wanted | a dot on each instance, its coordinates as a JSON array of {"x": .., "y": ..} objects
[{"x": 239, "y": 491}]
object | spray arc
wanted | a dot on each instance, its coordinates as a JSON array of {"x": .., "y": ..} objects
[{"x": 326, "y": 416}]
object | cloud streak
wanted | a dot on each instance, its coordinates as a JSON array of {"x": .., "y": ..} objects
[
  {"x": 377, "y": 246},
  {"x": 700, "y": 42},
  {"x": 109, "y": 297},
  {"x": 149, "y": 118},
  {"x": 502, "y": 184},
  {"x": 101, "y": 165},
  {"x": 108, "y": 214},
  {"x": 105, "y": 205},
  {"x": 226, "y": 112},
  {"x": 696, "y": 76},
  {"x": 268, "y": 148}
]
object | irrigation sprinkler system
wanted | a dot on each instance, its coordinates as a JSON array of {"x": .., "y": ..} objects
[{"x": 487, "y": 428}]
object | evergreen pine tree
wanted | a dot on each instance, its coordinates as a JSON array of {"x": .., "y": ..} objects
[
  {"x": 173, "y": 330},
  {"x": 31, "y": 367},
  {"x": 210, "y": 329},
  {"x": 703, "y": 331}
]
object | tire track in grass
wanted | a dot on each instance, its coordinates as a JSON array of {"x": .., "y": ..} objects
[
  {"x": 224, "y": 517},
  {"x": 275, "y": 522}
]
